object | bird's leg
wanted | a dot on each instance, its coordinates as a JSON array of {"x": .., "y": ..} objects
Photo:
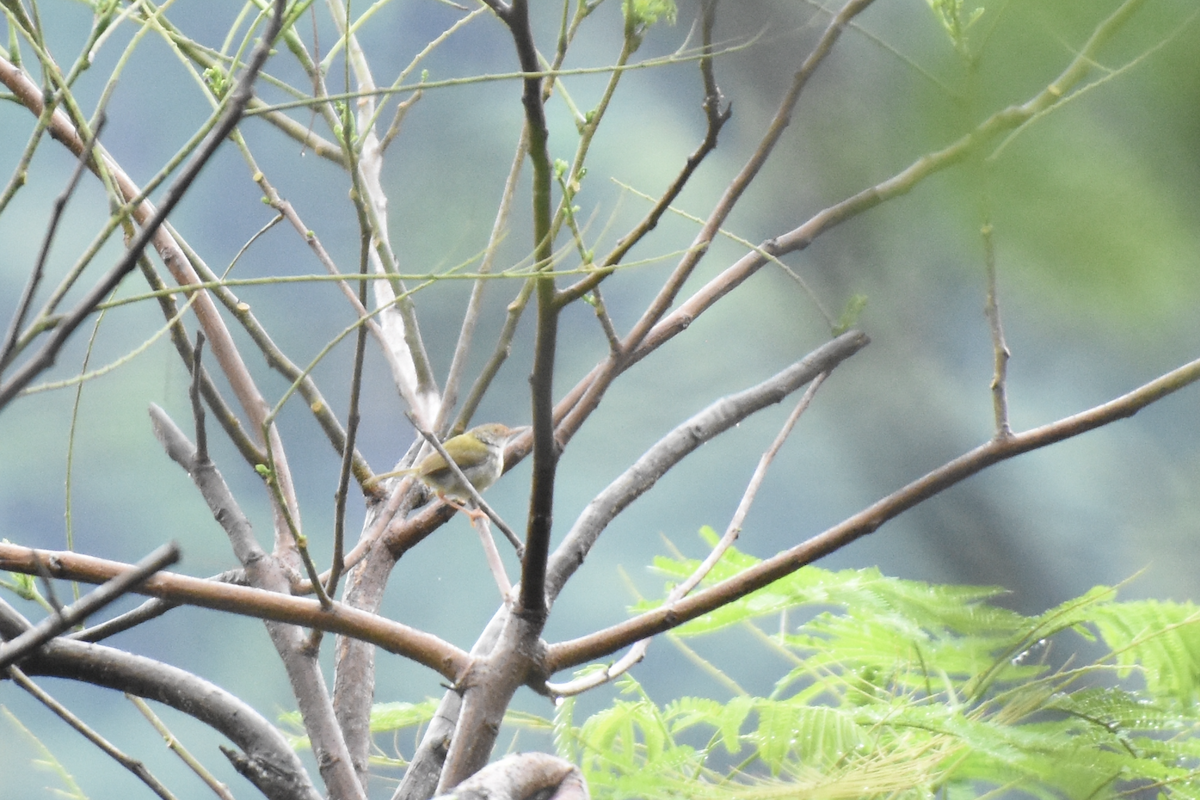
[{"x": 473, "y": 513}]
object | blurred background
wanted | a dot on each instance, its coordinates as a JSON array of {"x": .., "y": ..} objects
[{"x": 1096, "y": 214}]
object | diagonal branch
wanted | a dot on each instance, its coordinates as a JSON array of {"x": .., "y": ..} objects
[
  {"x": 597, "y": 645},
  {"x": 732, "y": 531},
  {"x": 267, "y": 760},
  {"x": 716, "y": 118},
  {"x": 229, "y": 117},
  {"x": 108, "y": 748},
  {"x": 685, "y": 438}
]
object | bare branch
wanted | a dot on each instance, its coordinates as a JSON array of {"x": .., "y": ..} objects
[
  {"x": 579, "y": 651},
  {"x": 35, "y": 277},
  {"x": 495, "y": 565},
  {"x": 743, "y": 179},
  {"x": 475, "y": 304},
  {"x": 716, "y": 120},
  {"x": 499, "y": 354},
  {"x": 668, "y": 451},
  {"x": 173, "y": 743},
  {"x": 524, "y": 775},
  {"x": 112, "y": 751},
  {"x": 357, "y": 300},
  {"x": 276, "y": 359},
  {"x": 229, "y": 117},
  {"x": 423, "y": 648},
  {"x": 532, "y": 600},
  {"x": 638, "y": 651},
  {"x": 194, "y": 396},
  {"x": 580, "y": 403},
  {"x": 117, "y": 587},
  {"x": 1000, "y": 352},
  {"x": 268, "y": 761},
  {"x": 225, "y": 415}
]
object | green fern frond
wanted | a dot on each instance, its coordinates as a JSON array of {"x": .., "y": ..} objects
[{"x": 909, "y": 690}]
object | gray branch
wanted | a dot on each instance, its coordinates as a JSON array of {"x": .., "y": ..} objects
[
  {"x": 266, "y": 759},
  {"x": 671, "y": 449}
]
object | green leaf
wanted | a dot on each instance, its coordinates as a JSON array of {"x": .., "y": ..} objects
[
  {"x": 641, "y": 14},
  {"x": 849, "y": 316}
]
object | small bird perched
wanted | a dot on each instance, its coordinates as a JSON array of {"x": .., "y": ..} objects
[{"x": 479, "y": 453}]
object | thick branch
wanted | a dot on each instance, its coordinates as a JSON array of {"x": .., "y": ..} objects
[
  {"x": 445, "y": 659},
  {"x": 524, "y": 775},
  {"x": 95, "y": 600}
]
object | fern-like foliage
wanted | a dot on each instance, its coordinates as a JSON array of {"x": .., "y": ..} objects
[{"x": 906, "y": 689}]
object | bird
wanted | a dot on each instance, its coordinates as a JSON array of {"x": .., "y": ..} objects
[{"x": 479, "y": 453}]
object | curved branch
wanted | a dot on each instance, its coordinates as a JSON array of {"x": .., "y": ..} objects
[
  {"x": 267, "y": 760},
  {"x": 523, "y": 775}
]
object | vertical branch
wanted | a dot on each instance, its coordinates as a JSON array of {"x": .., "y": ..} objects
[
  {"x": 1000, "y": 352},
  {"x": 532, "y": 602},
  {"x": 416, "y": 383},
  {"x": 352, "y": 420}
]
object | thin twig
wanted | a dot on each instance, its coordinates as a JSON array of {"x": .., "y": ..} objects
[
  {"x": 748, "y": 173},
  {"x": 176, "y": 747},
  {"x": 495, "y": 564},
  {"x": 229, "y": 118},
  {"x": 278, "y": 360},
  {"x": 638, "y": 651},
  {"x": 314, "y": 242},
  {"x": 150, "y": 609},
  {"x": 606, "y": 324},
  {"x": 1000, "y": 351},
  {"x": 39, "y": 266},
  {"x": 719, "y": 416},
  {"x": 403, "y": 107},
  {"x": 415, "y": 380},
  {"x": 475, "y": 304},
  {"x": 179, "y": 337},
  {"x": 194, "y": 394},
  {"x": 109, "y": 749},
  {"x": 716, "y": 118},
  {"x": 578, "y": 405},
  {"x": 499, "y": 354},
  {"x": 43, "y": 572},
  {"x": 353, "y": 418},
  {"x": 299, "y": 542}
]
